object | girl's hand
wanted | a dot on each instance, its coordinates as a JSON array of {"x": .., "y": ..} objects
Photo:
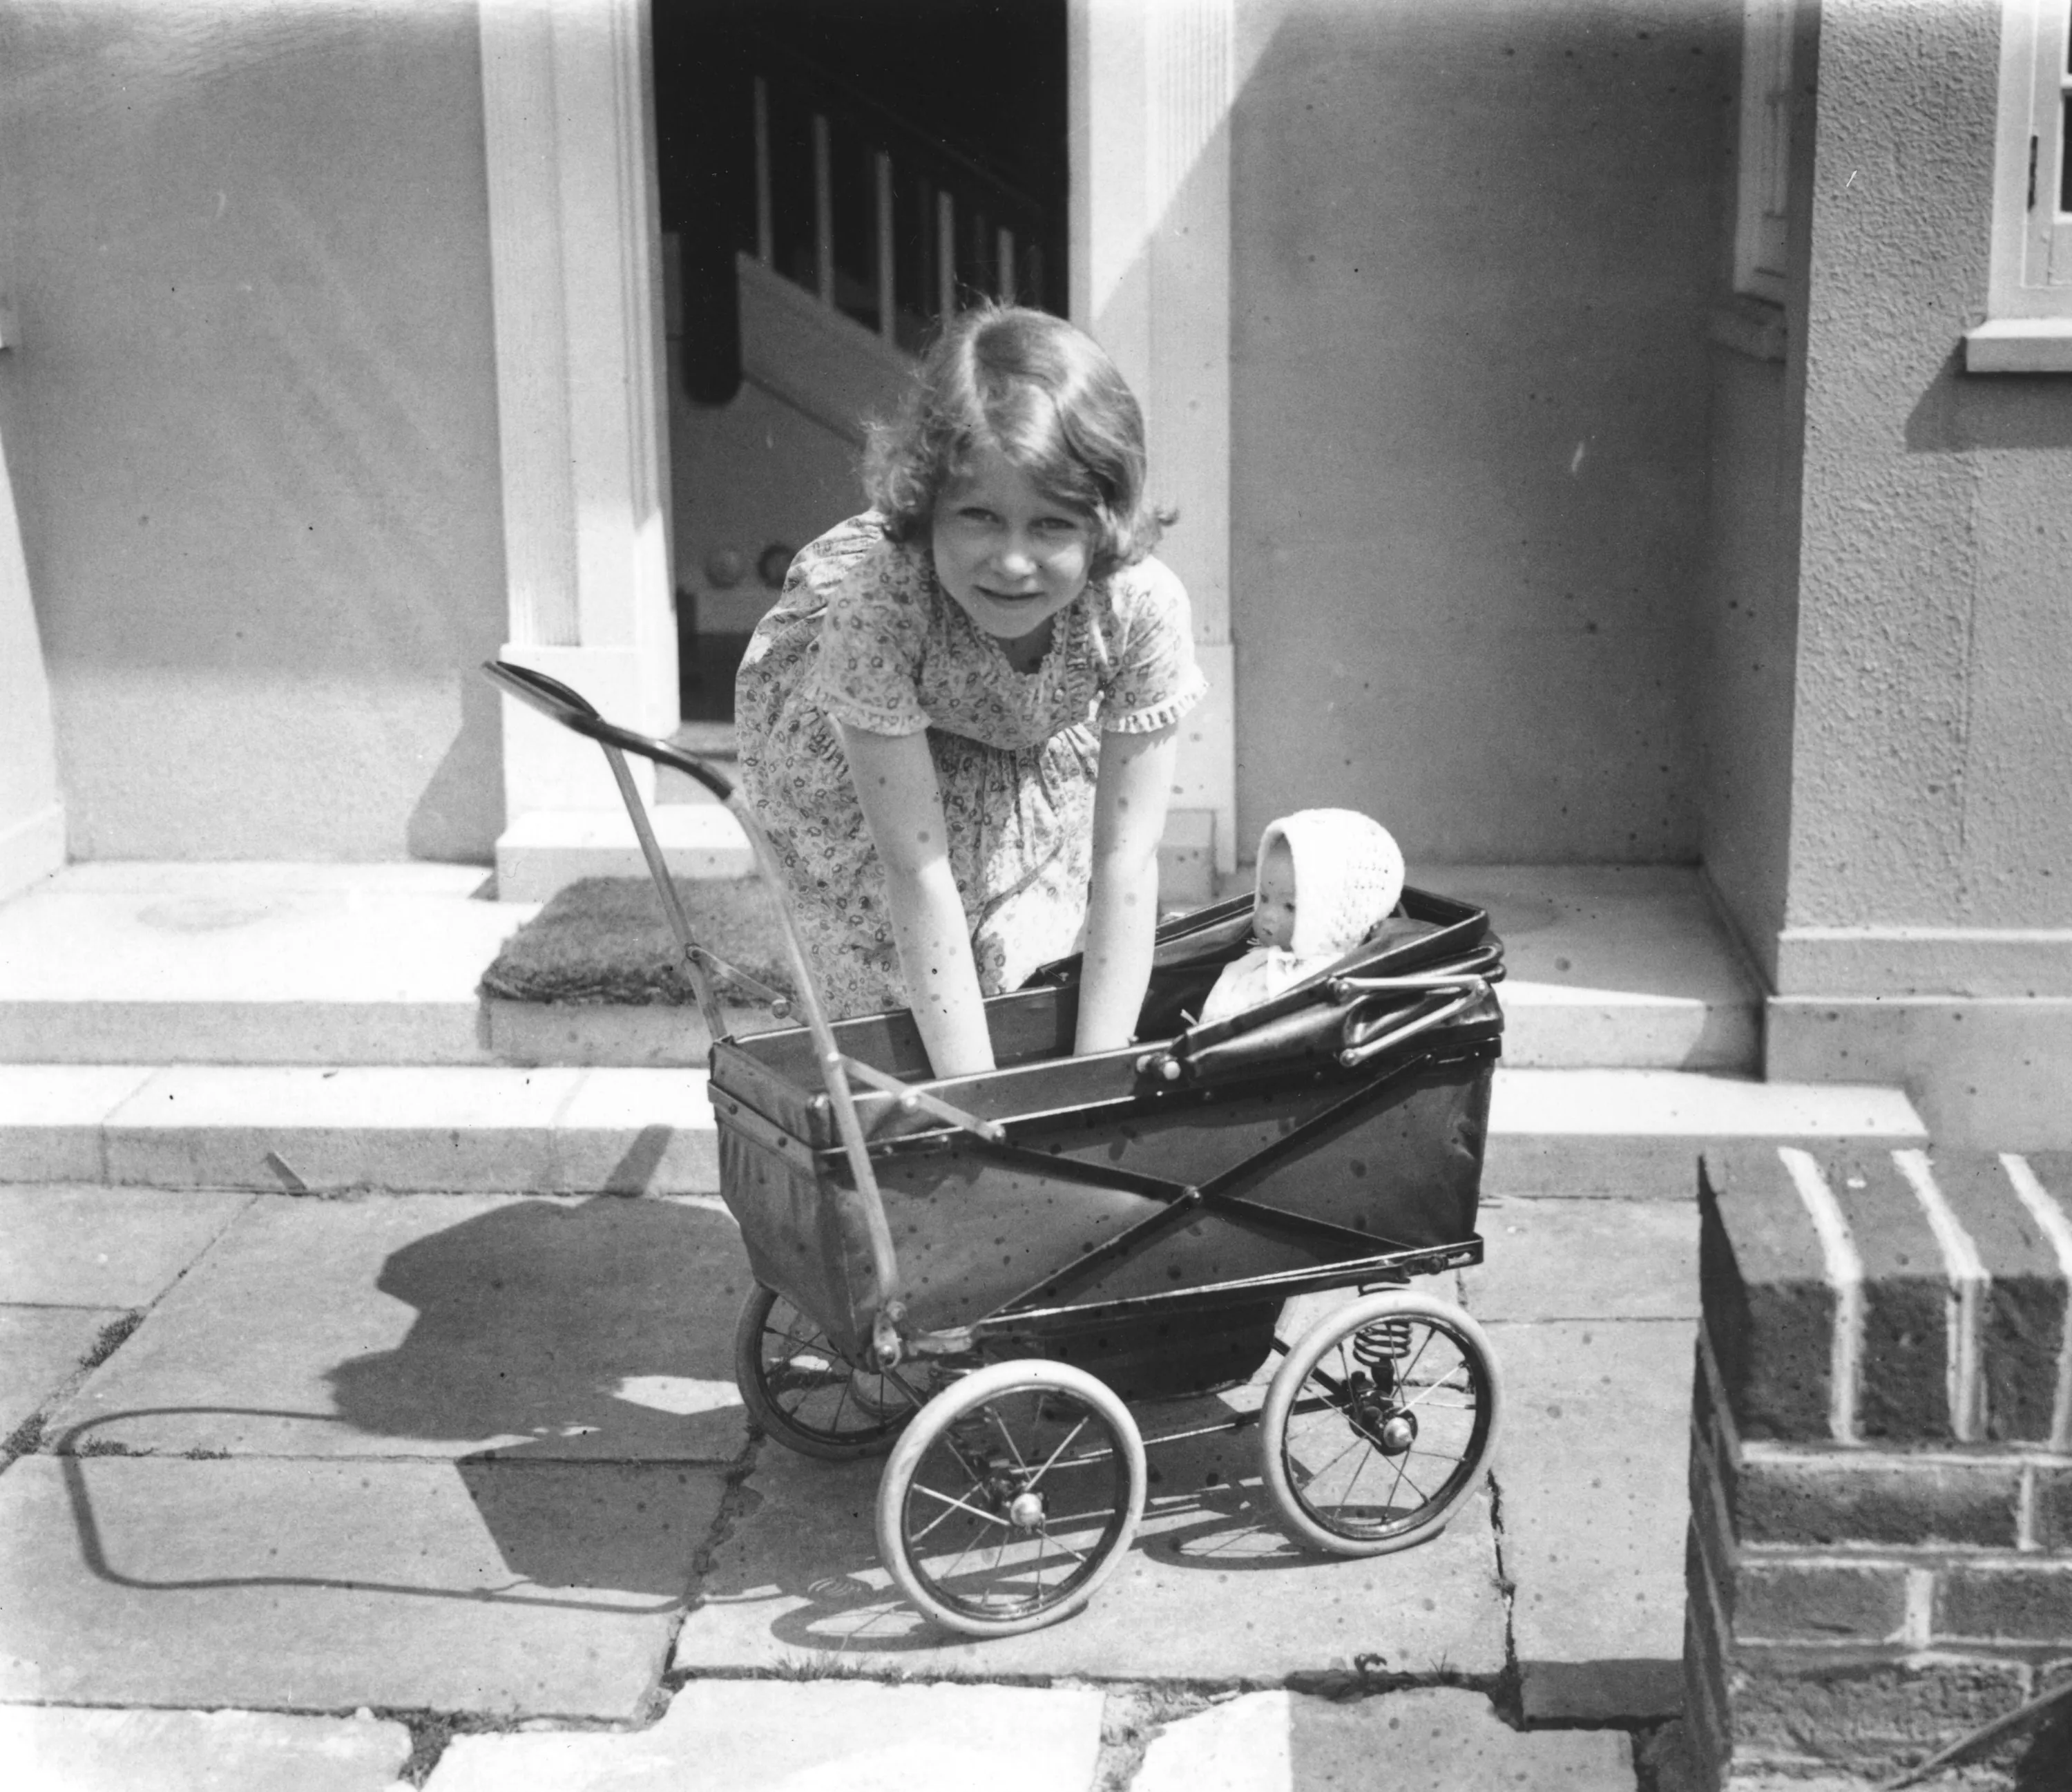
[
  {"x": 1136, "y": 780},
  {"x": 903, "y": 806}
]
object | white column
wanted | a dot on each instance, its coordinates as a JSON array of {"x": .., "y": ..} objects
[
  {"x": 1153, "y": 84},
  {"x": 32, "y": 820},
  {"x": 574, "y": 237}
]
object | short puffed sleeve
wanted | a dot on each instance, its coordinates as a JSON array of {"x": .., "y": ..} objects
[
  {"x": 1154, "y": 680},
  {"x": 874, "y": 628}
]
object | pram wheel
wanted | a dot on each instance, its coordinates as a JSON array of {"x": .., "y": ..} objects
[
  {"x": 1012, "y": 1498},
  {"x": 1378, "y": 1421},
  {"x": 802, "y": 1392}
]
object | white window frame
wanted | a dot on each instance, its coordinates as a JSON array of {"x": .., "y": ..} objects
[
  {"x": 2029, "y": 312},
  {"x": 1763, "y": 175}
]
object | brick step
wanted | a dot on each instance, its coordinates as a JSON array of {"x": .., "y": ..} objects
[
  {"x": 1880, "y": 1554},
  {"x": 1614, "y": 1134}
]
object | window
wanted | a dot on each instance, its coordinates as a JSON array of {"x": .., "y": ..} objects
[
  {"x": 2029, "y": 322},
  {"x": 1764, "y": 175}
]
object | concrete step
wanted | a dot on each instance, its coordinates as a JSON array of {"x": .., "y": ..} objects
[
  {"x": 118, "y": 962},
  {"x": 1606, "y": 966},
  {"x": 489, "y": 1128},
  {"x": 124, "y": 962}
]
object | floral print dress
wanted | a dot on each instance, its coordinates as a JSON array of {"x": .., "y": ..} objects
[{"x": 863, "y": 634}]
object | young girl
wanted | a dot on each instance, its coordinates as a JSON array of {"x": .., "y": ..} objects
[
  {"x": 957, "y": 723},
  {"x": 1327, "y": 878}
]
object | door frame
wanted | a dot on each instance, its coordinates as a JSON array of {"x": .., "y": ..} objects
[{"x": 575, "y": 256}]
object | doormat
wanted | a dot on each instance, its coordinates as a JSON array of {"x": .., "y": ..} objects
[{"x": 605, "y": 940}]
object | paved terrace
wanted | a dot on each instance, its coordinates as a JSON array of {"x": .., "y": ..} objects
[
  {"x": 470, "y": 1461},
  {"x": 343, "y": 1446}
]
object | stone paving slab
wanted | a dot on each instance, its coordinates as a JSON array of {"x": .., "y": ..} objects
[
  {"x": 80, "y": 1244},
  {"x": 40, "y": 1350},
  {"x": 1591, "y": 1469},
  {"x": 440, "y": 1325},
  {"x": 1212, "y": 1589},
  {"x": 59, "y": 1748},
  {"x": 536, "y": 1589},
  {"x": 819, "y": 1736},
  {"x": 1242, "y": 1744},
  {"x": 1585, "y": 1259},
  {"x": 1437, "y": 1739},
  {"x": 1440, "y": 1738}
]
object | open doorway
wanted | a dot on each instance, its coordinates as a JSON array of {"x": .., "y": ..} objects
[{"x": 833, "y": 175}]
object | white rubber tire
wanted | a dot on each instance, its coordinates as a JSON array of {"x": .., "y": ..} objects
[
  {"x": 966, "y": 1396},
  {"x": 1392, "y": 1303}
]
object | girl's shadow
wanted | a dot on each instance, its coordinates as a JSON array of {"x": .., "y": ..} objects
[{"x": 585, "y": 1350}]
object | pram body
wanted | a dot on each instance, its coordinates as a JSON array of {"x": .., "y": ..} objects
[{"x": 978, "y": 1274}]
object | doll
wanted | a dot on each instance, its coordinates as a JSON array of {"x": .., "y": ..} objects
[{"x": 1327, "y": 878}]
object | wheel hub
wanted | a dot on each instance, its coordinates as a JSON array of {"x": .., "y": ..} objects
[
  {"x": 1025, "y": 1512},
  {"x": 1376, "y": 1418}
]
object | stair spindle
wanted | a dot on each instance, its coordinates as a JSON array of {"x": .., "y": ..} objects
[
  {"x": 823, "y": 209},
  {"x": 766, "y": 215},
  {"x": 886, "y": 323}
]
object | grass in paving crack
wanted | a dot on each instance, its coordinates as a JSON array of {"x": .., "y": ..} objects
[
  {"x": 430, "y": 1731},
  {"x": 1664, "y": 1760},
  {"x": 26, "y": 1439},
  {"x": 111, "y": 1339},
  {"x": 1132, "y": 1718}
]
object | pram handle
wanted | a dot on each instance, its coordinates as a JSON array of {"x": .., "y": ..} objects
[
  {"x": 551, "y": 697},
  {"x": 573, "y": 711}
]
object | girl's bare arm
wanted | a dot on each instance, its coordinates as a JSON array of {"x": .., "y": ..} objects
[
  {"x": 903, "y": 806},
  {"x": 1136, "y": 778}
]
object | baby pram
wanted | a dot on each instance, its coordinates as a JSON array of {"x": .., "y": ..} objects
[{"x": 978, "y": 1274}]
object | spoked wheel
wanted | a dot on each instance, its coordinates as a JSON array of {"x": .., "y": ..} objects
[
  {"x": 1378, "y": 1422},
  {"x": 1012, "y": 1498},
  {"x": 804, "y": 1392}
]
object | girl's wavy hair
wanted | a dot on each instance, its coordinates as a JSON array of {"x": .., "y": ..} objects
[{"x": 1047, "y": 396}]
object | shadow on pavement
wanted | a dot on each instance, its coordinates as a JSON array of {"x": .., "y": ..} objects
[
  {"x": 594, "y": 1343},
  {"x": 585, "y": 1349},
  {"x": 601, "y": 1332},
  {"x": 809, "y": 1562}
]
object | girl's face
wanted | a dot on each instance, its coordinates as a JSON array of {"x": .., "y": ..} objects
[
  {"x": 1273, "y": 910},
  {"x": 1010, "y": 555}
]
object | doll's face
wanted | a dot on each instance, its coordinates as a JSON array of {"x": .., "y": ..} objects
[
  {"x": 1009, "y": 555},
  {"x": 1273, "y": 910}
]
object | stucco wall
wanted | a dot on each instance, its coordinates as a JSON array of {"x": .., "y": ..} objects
[
  {"x": 1750, "y": 655},
  {"x": 254, "y": 435},
  {"x": 1474, "y": 248},
  {"x": 1934, "y": 689}
]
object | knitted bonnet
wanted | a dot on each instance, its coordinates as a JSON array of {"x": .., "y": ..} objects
[{"x": 1348, "y": 876}]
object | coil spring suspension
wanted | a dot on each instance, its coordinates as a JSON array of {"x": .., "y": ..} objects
[{"x": 1387, "y": 1339}]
